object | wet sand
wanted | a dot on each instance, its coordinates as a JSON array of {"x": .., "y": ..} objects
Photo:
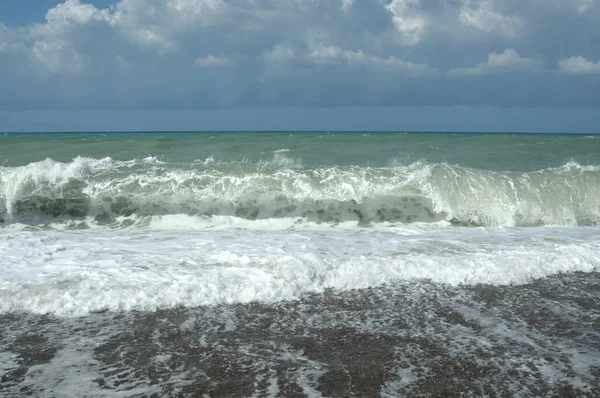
[{"x": 415, "y": 339}]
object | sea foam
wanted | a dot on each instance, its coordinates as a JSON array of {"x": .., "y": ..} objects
[{"x": 76, "y": 273}]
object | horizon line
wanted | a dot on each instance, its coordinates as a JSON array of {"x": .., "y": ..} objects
[{"x": 473, "y": 132}]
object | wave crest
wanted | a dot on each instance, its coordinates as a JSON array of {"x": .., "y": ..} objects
[{"x": 104, "y": 189}]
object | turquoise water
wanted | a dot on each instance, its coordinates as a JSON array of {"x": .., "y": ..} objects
[{"x": 519, "y": 152}]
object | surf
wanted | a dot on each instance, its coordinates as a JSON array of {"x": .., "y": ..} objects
[{"x": 89, "y": 192}]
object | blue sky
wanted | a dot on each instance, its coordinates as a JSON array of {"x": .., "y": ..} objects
[{"x": 491, "y": 65}]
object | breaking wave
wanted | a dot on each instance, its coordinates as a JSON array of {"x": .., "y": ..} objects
[{"x": 104, "y": 191}]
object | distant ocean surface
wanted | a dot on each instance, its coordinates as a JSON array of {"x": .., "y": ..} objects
[{"x": 299, "y": 264}]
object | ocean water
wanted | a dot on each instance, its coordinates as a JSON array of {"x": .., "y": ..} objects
[{"x": 299, "y": 264}]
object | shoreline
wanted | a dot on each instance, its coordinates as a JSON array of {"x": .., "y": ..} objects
[{"x": 407, "y": 339}]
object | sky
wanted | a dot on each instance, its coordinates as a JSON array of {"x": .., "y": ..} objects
[{"x": 450, "y": 65}]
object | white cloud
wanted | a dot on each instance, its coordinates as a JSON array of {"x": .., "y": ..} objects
[
  {"x": 481, "y": 15},
  {"x": 281, "y": 53},
  {"x": 150, "y": 38},
  {"x": 408, "y": 19},
  {"x": 57, "y": 58},
  {"x": 210, "y": 61},
  {"x": 389, "y": 64},
  {"x": 324, "y": 54},
  {"x": 418, "y": 21},
  {"x": 584, "y": 5},
  {"x": 73, "y": 12},
  {"x": 55, "y": 42},
  {"x": 509, "y": 60},
  {"x": 346, "y": 5},
  {"x": 578, "y": 66},
  {"x": 329, "y": 54},
  {"x": 8, "y": 39},
  {"x": 195, "y": 12},
  {"x": 160, "y": 24}
]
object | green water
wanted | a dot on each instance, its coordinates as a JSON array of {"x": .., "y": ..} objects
[{"x": 525, "y": 152}]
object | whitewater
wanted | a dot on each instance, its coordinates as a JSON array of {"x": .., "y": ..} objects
[
  {"x": 104, "y": 190},
  {"x": 102, "y": 234}
]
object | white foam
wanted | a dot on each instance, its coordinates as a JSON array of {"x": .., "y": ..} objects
[
  {"x": 185, "y": 222},
  {"x": 44, "y": 177},
  {"x": 404, "y": 378},
  {"x": 279, "y": 159},
  {"x": 74, "y": 369},
  {"x": 208, "y": 161},
  {"x": 74, "y": 372},
  {"x": 152, "y": 160},
  {"x": 75, "y": 273},
  {"x": 575, "y": 166}
]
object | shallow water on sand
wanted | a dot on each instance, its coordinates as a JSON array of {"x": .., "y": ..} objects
[{"x": 410, "y": 339}]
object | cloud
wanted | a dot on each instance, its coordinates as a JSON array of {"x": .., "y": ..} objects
[
  {"x": 483, "y": 16},
  {"x": 314, "y": 53},
  {"x": 9, "y": 40},
  {"x": 578, "y": 66},
  {"x": 420, "y": 20},
  {"x": 409, "y": 20},
  {"x": 281, "y": 53},
  {"x": 346, "y": 5},
  {"x": 240, "y": 53},
  {"x": 73, "y": 12},
  {"x": 390, "y": 64},
  {"x": 57, "y": 44},
  {"x": 211, "y": 61},
  {"x": 322, "y": 54},
  {"x": 584, "y": 5},
  {"x": 325, "y": 54},
  {"x": 509, "y": 60}
]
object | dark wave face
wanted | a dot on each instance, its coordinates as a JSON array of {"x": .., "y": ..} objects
[{"x": 104, "y": 192}]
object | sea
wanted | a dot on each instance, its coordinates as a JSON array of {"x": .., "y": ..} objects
[{"x": 299, "y": 264}]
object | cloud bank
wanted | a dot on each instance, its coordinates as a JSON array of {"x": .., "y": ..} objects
[{"x": 187, "y": 54}]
